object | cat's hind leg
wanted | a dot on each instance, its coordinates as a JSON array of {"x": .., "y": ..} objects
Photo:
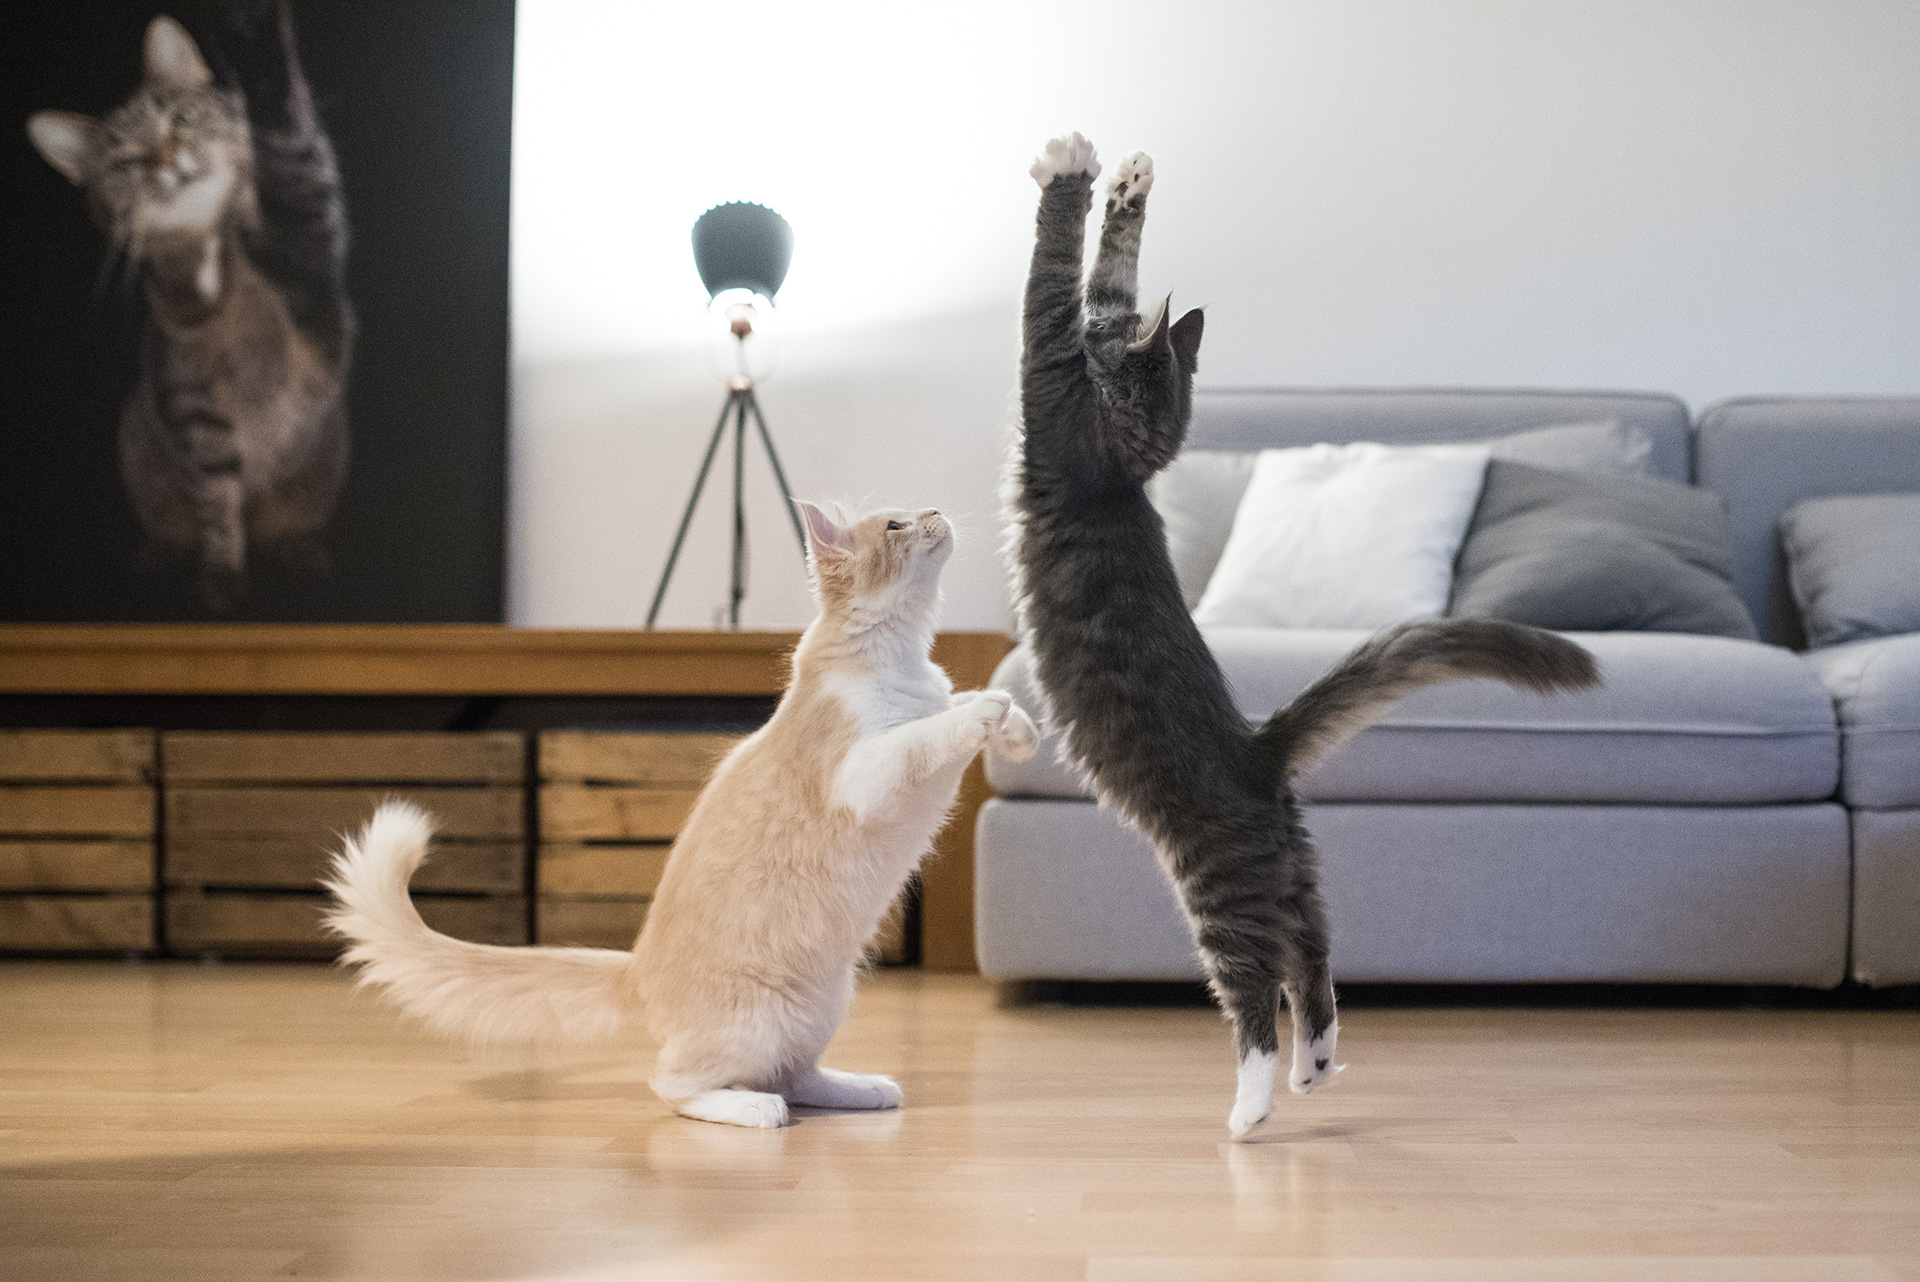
[
  {"x": 690, "y": 1076},
  {"x": 1240, "y": 967},
  {"x": 816, "y": 1087},
  {"x": 1316, "y": 1029}
]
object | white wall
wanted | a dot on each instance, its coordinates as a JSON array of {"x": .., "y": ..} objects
[{"x": 1703, "y": 197}]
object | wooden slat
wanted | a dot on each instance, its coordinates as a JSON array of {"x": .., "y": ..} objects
[
  {"x": 288, "y": 925},
  {"x": 320, "y": 814},
  {"x": 76, "y": 923},
  {"x": 77, "y": 811},
  {"x": 375, "y": 758},
  {"x": 606, "y": 922},
  {"x": 571, "y": 812},
  {"x": 76, "y": 865},
  {"x": 566, "y": 869},
  {"x": 288, "y": 863},
  {"x": 946, "y": 894},
  {"x": 408, "y": 659},
  {"x": 649, "y": 760},
  {"x": 76, "y": 756}
]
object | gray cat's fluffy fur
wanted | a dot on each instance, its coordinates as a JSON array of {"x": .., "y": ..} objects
[{"x": 1105, "y": 400}]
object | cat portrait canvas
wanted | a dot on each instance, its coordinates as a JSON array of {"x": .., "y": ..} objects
[{"x": 254, "y": 361}]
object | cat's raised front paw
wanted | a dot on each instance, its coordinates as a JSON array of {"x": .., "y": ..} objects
[
  {"x": 1017, "y": 738},
  {"x": 1065, "y": 157},
  {"x": 989, "y": 708},
  {"x": 1131, "y": 182}
]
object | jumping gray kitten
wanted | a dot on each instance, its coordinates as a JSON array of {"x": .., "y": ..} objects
[
  {"x": 1105, "y": 399},
  {"x": 227, "y": 201}
]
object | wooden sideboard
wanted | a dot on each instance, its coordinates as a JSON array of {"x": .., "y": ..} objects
[{"x": 487, "y": 661}]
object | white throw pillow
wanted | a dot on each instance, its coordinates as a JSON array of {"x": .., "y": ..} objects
[
  {"x": 1199, "y": 491},
  {"x": 1345, "y": 536}
]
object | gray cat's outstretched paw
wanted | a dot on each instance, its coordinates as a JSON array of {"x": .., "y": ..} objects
[
  {"x": 1065, "y": 157},
  {"x": 1131, "y": 182}
]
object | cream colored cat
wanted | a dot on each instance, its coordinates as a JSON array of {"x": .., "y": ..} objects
[{"x": 799, "y": 843}]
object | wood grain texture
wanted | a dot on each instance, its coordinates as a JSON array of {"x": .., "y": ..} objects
[
  {"x": 319, "y": 815},
  {"x": 598, "y": 921},
  {"x": 76, "y": 924},
  {"x": 946, "y": 904},
  {"x": 316, "y": 757},
  {"x": 565, "y": 869},
  {"x": 371, "y": 659},
  {"x": 287, "y": 924},
  {"x": 570, "y": 812},
  {"x": 76, "y": 865},
  {"x": 617, "y": 757},
  {"x": 77, "y": 810},
  {"x": 182, "y": 1123},
  {"x": 292, "y": 863},
  {"x": 76, "y": 756}
]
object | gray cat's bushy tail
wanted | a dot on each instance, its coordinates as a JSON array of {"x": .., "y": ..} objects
[
  {"x": 482, "y": 992},
  {"x": 1407, "y": 657}
]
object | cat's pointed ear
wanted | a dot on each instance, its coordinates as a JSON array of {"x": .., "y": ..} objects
[
  {"x": 172, "y": 56},
  {"x": 1186, "y": 339},
  {"x": 826, "y": 539},
  {"x": 68, "y": 140},
  {"x": 1156, "y": 329}
]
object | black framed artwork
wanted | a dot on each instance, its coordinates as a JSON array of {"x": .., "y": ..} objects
[{"x": 253, "y": 353}]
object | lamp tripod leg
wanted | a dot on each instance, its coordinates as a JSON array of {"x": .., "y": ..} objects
[
  {"x": 693, "y": 500},
  {"x": 739, "y": 586}
]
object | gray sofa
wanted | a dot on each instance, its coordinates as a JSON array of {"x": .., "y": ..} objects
[{"x": 1720, "y": 811}]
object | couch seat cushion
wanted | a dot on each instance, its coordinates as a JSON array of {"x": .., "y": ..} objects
[
  {"x": 1876, "y": 687},
  {"x": 1678, "y": 720}
]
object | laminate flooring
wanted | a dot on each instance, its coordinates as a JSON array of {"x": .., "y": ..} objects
[{"x": 169, "y": 1122}]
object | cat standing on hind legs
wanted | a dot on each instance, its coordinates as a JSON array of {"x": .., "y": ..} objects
[
  {"x": 803, "y": 837},
  {"x": 1105, "y": 399}
]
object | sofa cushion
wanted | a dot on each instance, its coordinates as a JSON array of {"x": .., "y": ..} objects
[
  {"x": 1199, "y": 493},
  {"x": 1678, "y": 719},
  {"x": 1876, "y": 688},
  {"x": 1600, "y": 553},
  {"x": 1850, "y": 563}
]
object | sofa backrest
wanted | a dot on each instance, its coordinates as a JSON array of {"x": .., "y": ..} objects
[
  {"x": 1260, "y": 418},
  {"x": 1764, "y": 455}
]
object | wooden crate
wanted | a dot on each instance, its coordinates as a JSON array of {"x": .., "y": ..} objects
[
  {"x": 611, "y": 804},
  {"x": 253, "y": 820},
  {"x": 77, "y": 840}
]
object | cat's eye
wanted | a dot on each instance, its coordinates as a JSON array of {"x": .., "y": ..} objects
[{"x": 896, "y": 525}]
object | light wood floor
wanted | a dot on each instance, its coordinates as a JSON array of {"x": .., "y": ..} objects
[{"x": 177, "y": 1122}]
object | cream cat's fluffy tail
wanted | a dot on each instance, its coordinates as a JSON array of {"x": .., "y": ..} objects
[{"x": 483, "y": 992}]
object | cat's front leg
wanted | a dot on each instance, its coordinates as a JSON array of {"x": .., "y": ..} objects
[
  {"x": 877, "y": 769},
  {"x": 1112, "y": 286},
  {"x": 1016, "y": 737}
]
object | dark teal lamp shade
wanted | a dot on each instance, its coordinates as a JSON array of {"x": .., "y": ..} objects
[{"x": 742, "y": 246}]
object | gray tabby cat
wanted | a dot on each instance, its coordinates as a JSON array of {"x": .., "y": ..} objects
[
  {"x": 1105, "y": 399},
  {"x": 227, "y": 201}
]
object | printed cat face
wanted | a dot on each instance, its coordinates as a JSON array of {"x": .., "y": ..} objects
[
  {"x": 173, "y": 160},
  {"x": 885, "y": 565}
]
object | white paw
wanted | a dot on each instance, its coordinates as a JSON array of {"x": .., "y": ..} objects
[
  {"x": 990, "y": 707},
  {"x": 738, "y": 1108},
  {"x": 865, "y": 1090},
  {"x": 1253, "y": 1098},
  {"x": 1131, "y": 181},
  {"x": 1065, "y": 157},
  {"x": 1017, "y": 738},
  {"x": 1313, "y": 1060}
]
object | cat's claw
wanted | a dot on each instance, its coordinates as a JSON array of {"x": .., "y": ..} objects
[
  {"x": 1131, "y": 182},
  {"x": 1017, "y": 738},
  {"x": 1065, "y": 158}
]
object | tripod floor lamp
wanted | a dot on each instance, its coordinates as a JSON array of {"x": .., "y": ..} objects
[{"x": 741, "y": 249}]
